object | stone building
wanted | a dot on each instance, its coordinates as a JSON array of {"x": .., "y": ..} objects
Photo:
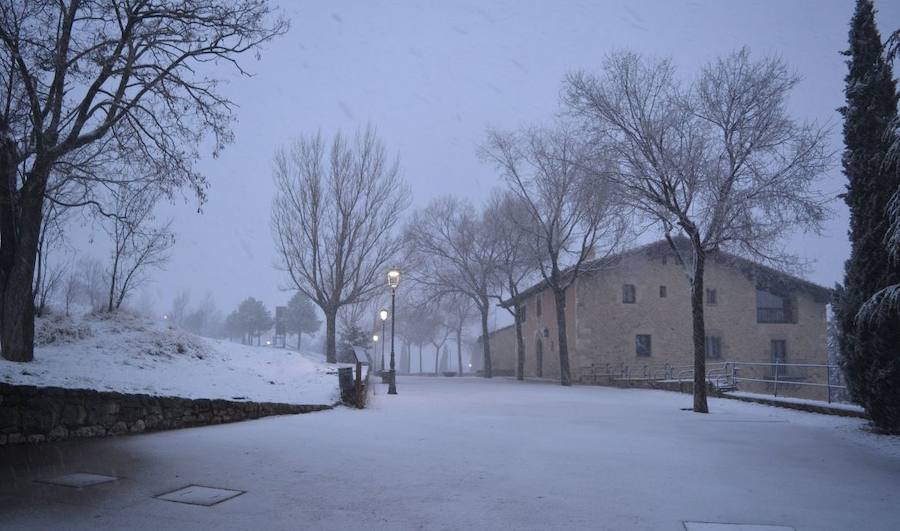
[{"x": 632, "y": 313}]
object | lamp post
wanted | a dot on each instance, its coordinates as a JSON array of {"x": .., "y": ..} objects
[
  {"x": 383, "y": 314},
  {"x": 393, "y": 278},
  {"x": 375, "y": 340}
]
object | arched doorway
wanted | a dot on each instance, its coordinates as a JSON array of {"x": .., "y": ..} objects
[{"x": 539, "y": 358}]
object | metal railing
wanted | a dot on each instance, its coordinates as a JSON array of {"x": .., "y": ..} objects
[
  {"x": 779, "y": 373},
  {"x": 772, "y": 315},
  {"x": 724, "y": 376}
]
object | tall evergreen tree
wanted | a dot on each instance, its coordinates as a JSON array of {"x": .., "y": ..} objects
[{"x": 871, "y": 348}]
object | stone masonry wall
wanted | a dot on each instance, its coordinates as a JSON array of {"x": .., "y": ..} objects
[{"x": 32, "y": 415}]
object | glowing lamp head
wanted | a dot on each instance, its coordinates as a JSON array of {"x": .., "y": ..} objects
[
  {"x": 383, "y": 314},
  {"x": 375, "y": 338},
  {"x": 393, "y": 278}
]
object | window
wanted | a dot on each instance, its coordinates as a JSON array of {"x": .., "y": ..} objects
[
  {"x": 772, "y": 307},
  {"x": 662, "y": 292},
  {"x": 665, "y": 259},
  {"x": 523, "y": 313},
  {"x": 778, "y": 348},
  {"x": 711, "y": 296},
  {"x": 628, "y": 294},
  {"x": 713, "y": 346},
  {"x": 642, "y": 345},
  {"x": 539, "y": 307}
]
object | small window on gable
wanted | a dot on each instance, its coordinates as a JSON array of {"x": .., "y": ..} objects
[
  {"x": 539, "y": 312},
  {"x": 642, "y": 345},
  {"x": 711, "y": 296},
  {"x": 662, "y": 292},
  {"x": 523, "y": 313},
  {"x": 665, "y": 259},
  {"x": 628, "y": 294},
  {"x": 713, "y": 346}
]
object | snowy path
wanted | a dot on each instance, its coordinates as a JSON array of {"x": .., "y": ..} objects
[{"x": 471, "y": 454}]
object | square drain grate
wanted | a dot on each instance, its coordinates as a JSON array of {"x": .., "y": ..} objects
[
  {"x": 200, "y": 495},
  {"x": 714, "y": 526},
  {"x": 78, "y": 480}
]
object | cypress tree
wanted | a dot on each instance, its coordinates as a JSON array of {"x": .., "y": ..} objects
[{"x": 871, "y": 349}]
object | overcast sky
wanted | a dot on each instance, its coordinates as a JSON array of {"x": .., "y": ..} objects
[{"x": 432, "y": 76}]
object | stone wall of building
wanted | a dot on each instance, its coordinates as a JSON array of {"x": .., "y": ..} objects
[
  {"x": 607, "y": 326},
  {"x": 503, "y": 351},
  {"x": 31, "y": 414},
  {"x": 602, "y": 329}
]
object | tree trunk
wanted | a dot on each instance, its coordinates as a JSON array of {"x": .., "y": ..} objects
[
  {"x": 520, "y": 345},
  {"x": 408, "y": 357},
  {"x": 459, "y": 349},
  {"x": 39, "y": 270},
  {"x": 486, "y": 343},
  {"x": 437, "y": 355},
  {"x": 19, "y": 233},
  {"x": 299, "y": 340},
  {"x": 331, "y": 336},
  {"x": 565, "y": 376},
  {"x": 420, "y": 359},
  {"x": 700, "y": 405},
  {"x": 112, "y": 282}
]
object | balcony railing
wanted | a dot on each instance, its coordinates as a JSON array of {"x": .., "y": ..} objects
[{"x": 772, "y": 315}]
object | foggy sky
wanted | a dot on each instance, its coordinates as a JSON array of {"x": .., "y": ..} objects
[{"x": 432, "y": 76}]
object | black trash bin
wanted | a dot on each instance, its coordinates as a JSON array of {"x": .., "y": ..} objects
[{"x": 345, "y": 379}]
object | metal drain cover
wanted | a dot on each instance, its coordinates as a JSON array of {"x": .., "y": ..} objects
[
  {"x": 200, "y": 495},
  {"x": 714, "y": 526},
  {"x": 78, "y": 480}
]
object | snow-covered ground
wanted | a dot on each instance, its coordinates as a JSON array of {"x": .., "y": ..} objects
[
  {"x": 131, "y": 354},
  {"x": 469, "y": 454}
]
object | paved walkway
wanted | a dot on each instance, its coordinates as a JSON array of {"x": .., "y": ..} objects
[{"x": 471, "y": 454}]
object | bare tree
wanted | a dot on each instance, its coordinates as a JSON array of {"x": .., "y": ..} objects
[
  {"x": 92, "y": 282},
  {"x": 454, "y": 253},
  {"x": 205, "y": 319},
  {"x": 333, "y": 220},
  {"x": 73, "y": 288},
  {"x": 436, "y": 317},
  {"x": 137, "y": 244},
  {"x": 179, "y": 311},
  {"x": 573, "y": 210},
  {"x": 48, "y": 273},
  {"x": 459, "y": 310},
  {"x": 718, "y": 165},
  {"x": 516, "y": 247},
  {"x": 82, "y": 79}
]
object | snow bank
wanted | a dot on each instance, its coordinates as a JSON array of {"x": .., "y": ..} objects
[{"x": 132, "y": 354}]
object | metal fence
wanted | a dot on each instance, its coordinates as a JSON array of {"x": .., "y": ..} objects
[
  {"x": 782, "y": 377},
  {"x": 796, "y": 380}
]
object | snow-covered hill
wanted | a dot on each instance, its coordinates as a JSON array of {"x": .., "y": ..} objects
[{"x": 132, "y": 354}]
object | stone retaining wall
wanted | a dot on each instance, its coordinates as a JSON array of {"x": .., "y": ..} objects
[{"x": 32, "y": 415}]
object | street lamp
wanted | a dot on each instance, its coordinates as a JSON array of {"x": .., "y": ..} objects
[
  {"x": 383, "y": 314},
  {"x": 393, "y": 278}
]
